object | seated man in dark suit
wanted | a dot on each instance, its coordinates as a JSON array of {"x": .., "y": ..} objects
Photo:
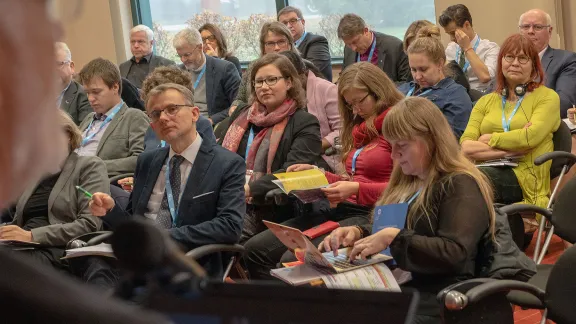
[
  {"x": 143, "y": 60},
  {"x": 559, "y": 65},
  {"x": 311, "y": 47},
  {"x": 216, "y": 81},
  {"x": 194, "y": 188},
  {"x": 113, "y": 132},
  {"x": 363, "y": 44},
  {"x": 72, "y": 98}
]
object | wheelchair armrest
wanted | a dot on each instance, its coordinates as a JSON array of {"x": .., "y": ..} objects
[
  {"x": 90, "y": 238},
  {"x": 276, "y": 196},
  {"x": 518, "y": 208},
  {"x": 455, "y": 300},
  {"x": 570, "y": 158},
  {"x": 205, "y": 250}
]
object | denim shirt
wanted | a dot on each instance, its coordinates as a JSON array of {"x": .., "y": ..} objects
[{"x": 451, "y": 98}]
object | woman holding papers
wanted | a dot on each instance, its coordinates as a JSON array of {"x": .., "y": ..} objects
[
  {"x": 53, "y": 211},
  {"x": 271, "y": 134},
  {"x": 517, "y": 119},
  {"x": 449, "y": 206},
  {"x": 428, "y": 65},
  {"x": 365, "y": 95}
]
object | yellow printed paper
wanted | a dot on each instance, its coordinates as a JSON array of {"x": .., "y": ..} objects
[{"x": 302, "y": 180}]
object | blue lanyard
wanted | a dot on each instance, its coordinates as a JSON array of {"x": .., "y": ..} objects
[
  {"x": 86, "y": 139},
  {"x": 413, "y": 197},
  {"x": 249, "y": 144},
  {"x": 467, "y": 64},
  {"x": 169, "y": 195},
  {"x": 200, "y": 76},
  {"x": 371, "y": 51},
  {"x": 354, "y": 158},
  {"x": 301, "y": 39},
  {"x": 411, "y": 91},
  {"x": 506, "y": 125}
]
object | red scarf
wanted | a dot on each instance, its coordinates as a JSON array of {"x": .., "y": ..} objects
[{"x": 360, "y": 132}]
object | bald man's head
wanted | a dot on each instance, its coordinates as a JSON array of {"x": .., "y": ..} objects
[{"x": 536, "y": 24}]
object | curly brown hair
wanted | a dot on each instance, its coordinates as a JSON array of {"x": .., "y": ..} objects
[{"x": 165, "y": 74}]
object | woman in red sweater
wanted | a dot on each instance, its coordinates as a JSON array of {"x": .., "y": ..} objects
[{"x": 365, "y": 95}]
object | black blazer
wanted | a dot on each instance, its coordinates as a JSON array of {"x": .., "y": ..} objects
[
  {"x": 315, "y": 49},
  {"x": 234, "y": 60},
  {"x": 155, "y": 61},
  {"x": 560, "y": 68},
  {"x": 212, "y": 206},
  {"x": 391, "y": 57},
  {"x": 222, "y": 82},
  {"x": 75, "y": 102},
  {"x": 301, "y": 143},
  {"x": 131, "y": 95}
]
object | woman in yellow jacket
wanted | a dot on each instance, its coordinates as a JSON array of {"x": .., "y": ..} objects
[{"x": 518, "y": 119}]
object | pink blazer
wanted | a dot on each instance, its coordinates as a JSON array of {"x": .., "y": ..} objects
[{"x": 322, "y": 96}]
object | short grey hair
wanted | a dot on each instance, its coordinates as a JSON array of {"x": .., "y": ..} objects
[
  {"x": 145, "y": 29},
  {"x": 188, "y": 94},
  {"x": 350, "y": 25},
  {"x": 546, "y": 15},
  {"x": 187, "y": 36},
  {"x": 61, "y": 46}
]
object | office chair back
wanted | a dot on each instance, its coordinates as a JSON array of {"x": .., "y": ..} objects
[
  {"x": 561, "y": 287},
  {"x": 564, "y": 212},
  {"x": 562, "y": 140}
]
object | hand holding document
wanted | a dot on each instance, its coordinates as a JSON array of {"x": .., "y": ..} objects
[{"x": 305, "y": 185}]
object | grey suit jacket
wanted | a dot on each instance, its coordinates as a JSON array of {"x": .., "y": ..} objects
[
  {"x": 560, "y": 68},
  {"x": 315, "y": 49},
  {"x": 68, "y": 211},
  {"x": 75, "y": 102},
  {"x": 155, "y": 61},
  {"x": 391, "y": 57},
  {"x": 122, "y": 141}
]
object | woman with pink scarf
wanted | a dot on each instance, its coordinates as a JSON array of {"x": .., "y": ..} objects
[{"x": 271, "y": 134}]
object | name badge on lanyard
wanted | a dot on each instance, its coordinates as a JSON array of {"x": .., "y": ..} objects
[
  {"x": 506, "y": 124},
  {"x": 467, "y": 64},
  {"x": 371, "y": 51},
  {"x": 88, "y": 138},
  {"x": 411, "y": 91},
  {"x": 354, "y": 158},
  {"x": 248, "y": 145}
]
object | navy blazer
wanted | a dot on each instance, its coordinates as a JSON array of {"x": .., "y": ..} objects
[
  {"x": 222, "y": 83},
  {"x": 315, "y": 49},
  {"x": 560, "y": 68},
  {"x": 212, "y": 206},
  {"x": 391, "y": 57}
]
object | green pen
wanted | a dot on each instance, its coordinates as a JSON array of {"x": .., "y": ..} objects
[{"x": 86, "y": 193}]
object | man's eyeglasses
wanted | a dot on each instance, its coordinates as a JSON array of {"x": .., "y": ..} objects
[
  {"x": 355, "y": 104},
  {"x": 210, "y": 38},
  {"x": 522, "y": 59},
  {"x": 185, "y": 56},
  {"x": 270, "y": 81},
  {"x": 170, "y": 110},
  {"x": 291, "y": 21},
  {"x": 60, "y": 64},
  {"x": 280, "y": 43},
  {"x": 537, "y": 27}
]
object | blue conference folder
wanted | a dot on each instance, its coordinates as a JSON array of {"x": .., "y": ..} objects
[{"x": 393, "y": 215}]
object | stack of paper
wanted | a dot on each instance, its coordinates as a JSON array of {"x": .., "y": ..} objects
[
  {"x": 570, "y": 125},
  {"x": 102, "y": 249},
  {"x": 305, "y": 185}
]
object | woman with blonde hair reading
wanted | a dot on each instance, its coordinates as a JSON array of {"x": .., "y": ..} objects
[{"x": 449, "y": 206}]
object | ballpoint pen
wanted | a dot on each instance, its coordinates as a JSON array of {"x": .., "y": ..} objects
[{"x": 86, "y": 193}]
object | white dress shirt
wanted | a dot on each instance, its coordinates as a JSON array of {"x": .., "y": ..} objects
[
  {"x": 541, "y": 54},
  {"x": 487, "y": 51},
  {"x": 189, "y": 155}
]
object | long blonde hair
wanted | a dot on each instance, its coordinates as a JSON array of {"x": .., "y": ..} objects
[
  {"x": 416, "y": 117},
  {"x": 364, "y": 76}
]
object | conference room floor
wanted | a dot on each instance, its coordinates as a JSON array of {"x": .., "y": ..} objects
[{"x": 533, "y": 316}]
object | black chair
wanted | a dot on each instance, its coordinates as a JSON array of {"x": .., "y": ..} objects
[
  {"x": 562, "y": 161},
  {"x": 233, "y": 253},
  {"x": 562, "y": 217},
  {"x": 463, "y": 300}
]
